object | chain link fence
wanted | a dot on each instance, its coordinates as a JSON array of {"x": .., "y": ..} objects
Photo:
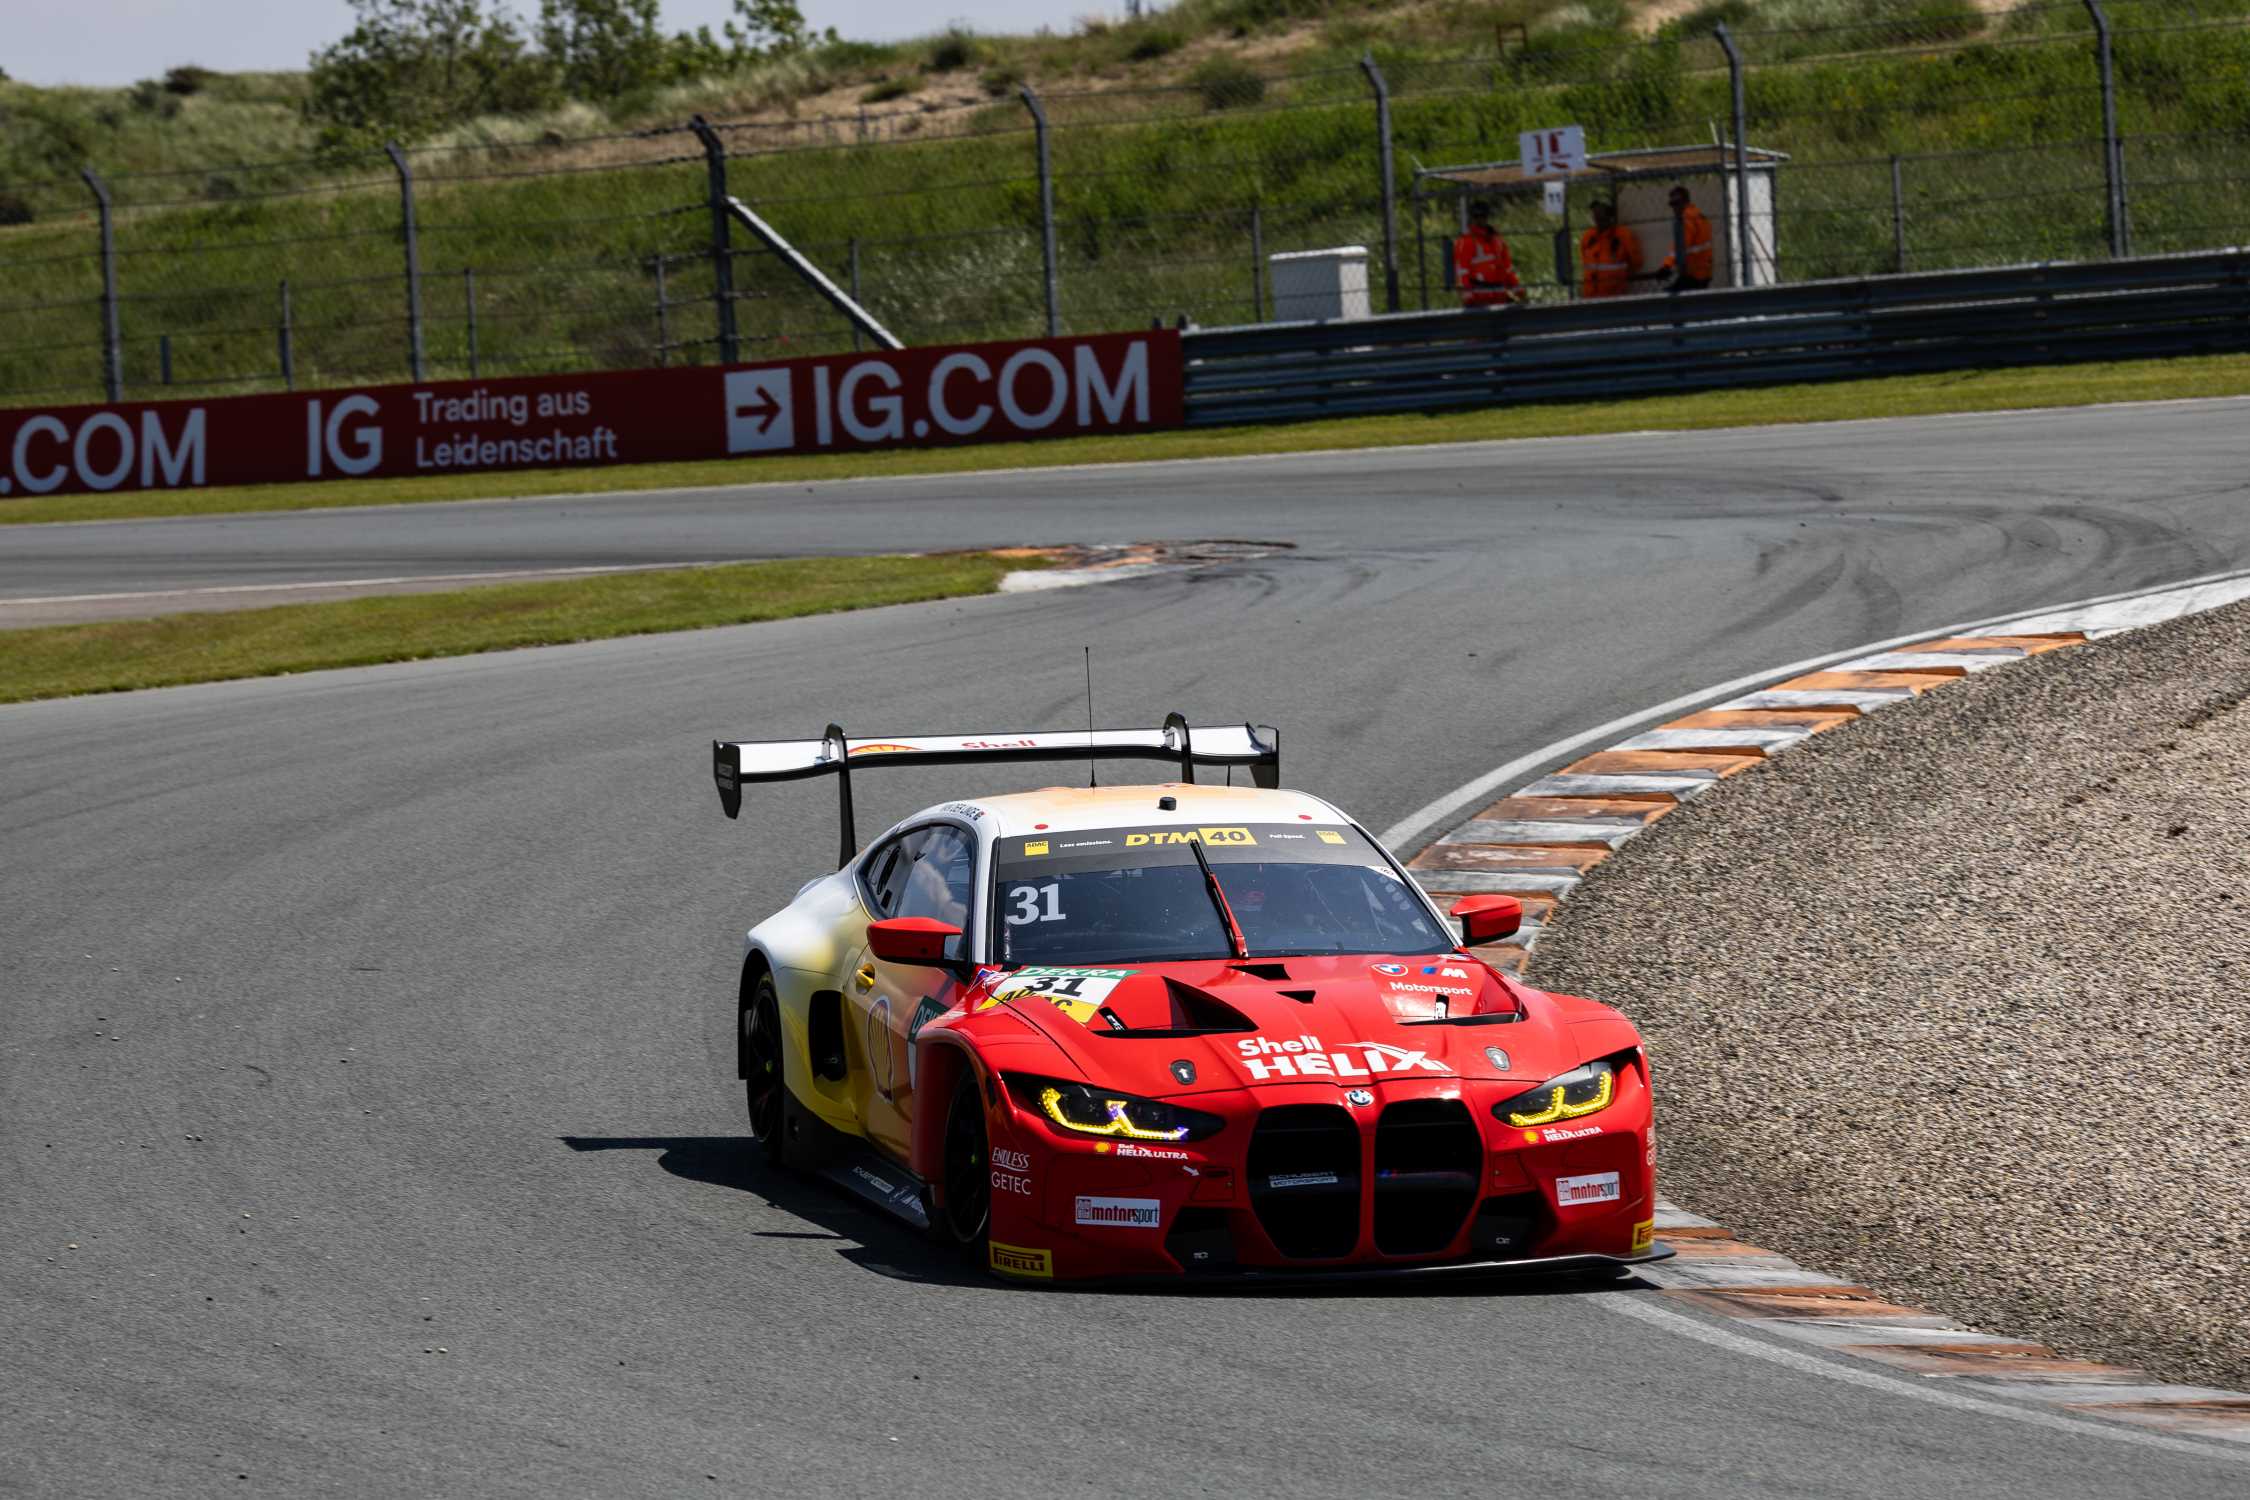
[{"x": 1915, "y": 136}]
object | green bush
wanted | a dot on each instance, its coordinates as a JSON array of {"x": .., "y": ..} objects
[
  {"x": 1241, "y": 16},
  {"x": 1000, "y": 82},
  {"x": 1154, "y": 42},
  {"x": 843, "y": 56},
  {"x": 884, "y": 90},
  {"x": 953, "y": 49},
  {"x": 148, "y": 96},
  {"x": 15, "y": 209},
  {"x": 1226, "y": 83},
  {"x": 188, "y": 79}
]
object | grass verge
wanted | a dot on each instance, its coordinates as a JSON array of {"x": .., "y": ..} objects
[
  {"x": 60, "y": 660},
  {"x": 1892, "y": 396}
]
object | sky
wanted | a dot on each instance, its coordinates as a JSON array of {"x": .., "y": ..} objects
[{"x": 118, "y": 41}]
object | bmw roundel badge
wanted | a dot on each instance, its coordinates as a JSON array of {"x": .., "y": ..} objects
[{"x": 1360, "y": 1097}]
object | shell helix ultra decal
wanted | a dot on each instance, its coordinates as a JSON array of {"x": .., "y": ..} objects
[{"x": 1077, "y": 993}]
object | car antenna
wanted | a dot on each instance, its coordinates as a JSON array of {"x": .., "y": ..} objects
[{"x": 1091, "y": 768}]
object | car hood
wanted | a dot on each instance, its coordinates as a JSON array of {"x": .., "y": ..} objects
[{"x": 1173, "y": 1029}]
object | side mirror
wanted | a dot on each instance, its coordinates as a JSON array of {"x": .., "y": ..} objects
[
  {"x": 912, "y": 940},
  {"x": 1487, "y": 919}
]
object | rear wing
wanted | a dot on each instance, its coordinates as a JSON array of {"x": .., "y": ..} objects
[{"x": 736, "y": 762}]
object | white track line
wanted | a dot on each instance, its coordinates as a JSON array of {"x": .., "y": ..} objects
[
  {"x": 1641, "y": 1305},
  {"x": 360, "y": 583},
  {"x": 1422, "y": 818}
]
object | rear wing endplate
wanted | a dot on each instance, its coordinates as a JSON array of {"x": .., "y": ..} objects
[{"x": 737, "y": 762}]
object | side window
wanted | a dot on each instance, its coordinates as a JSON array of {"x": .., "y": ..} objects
[
  {"x": 885, "y": 873},
  {"x": 940, "y": 878}
]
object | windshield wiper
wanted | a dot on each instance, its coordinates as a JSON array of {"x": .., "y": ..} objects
[{"x": 1219, "y": 898}]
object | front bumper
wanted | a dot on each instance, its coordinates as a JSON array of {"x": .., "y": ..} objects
[{"x": 1421, "y": 1182}]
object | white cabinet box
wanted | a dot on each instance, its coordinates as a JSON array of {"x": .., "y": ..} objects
[{"x": 1323, "y": 285}]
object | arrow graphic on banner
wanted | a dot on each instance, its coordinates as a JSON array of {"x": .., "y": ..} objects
[
  {"x": 765, "y": 409},
  {"x": 758, "y": 411}
]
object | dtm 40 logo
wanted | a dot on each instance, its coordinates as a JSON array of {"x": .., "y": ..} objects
[
  {"x": 1212, "y": 836},
  {"x": 1304, "y": 1057}
]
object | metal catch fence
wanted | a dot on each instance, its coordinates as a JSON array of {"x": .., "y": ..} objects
[{"x": 1909, "y": 136}]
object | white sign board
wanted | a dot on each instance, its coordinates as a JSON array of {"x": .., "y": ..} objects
[
  {"x": 1552, "y": 153},
  {"x": 1551, "y": 195}
]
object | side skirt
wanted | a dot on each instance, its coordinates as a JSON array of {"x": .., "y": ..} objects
[
  {"x": 850, "y": 1163},
  {"x": 876, "y": 1180}
]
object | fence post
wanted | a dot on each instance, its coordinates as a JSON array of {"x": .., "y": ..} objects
[
  {"x": 113, "y": 341},
  {"x": 663, "y": 316},
  {"x": 851, "y": 254},
  {"x": 1256, "y": 261},
  {"x": 1390, "y": 178},
  {"x": 284, "y": 342},
  {"x": 1741, "y": 235},
  {"x": 1421, "y": 245},
  {"x": 2124, "y": 199},
  {"x": 1046, "y": 207},
  {"x": 2114, "y": 200},
  {"x": 406, "y": 221},
  {"x": 469, "y": 300},
  {"x": 1898, "y": 216},
  {"x": 722, "y": 250},
  {"x": 164, "y": 359}
]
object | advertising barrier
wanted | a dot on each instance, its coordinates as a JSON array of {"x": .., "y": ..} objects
[{"x": 974, "y": 393}]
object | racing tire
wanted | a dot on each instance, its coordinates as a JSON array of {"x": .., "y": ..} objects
[
  {"x": 966, "y": 1169},
  {"x": 765, "y": 1072}
]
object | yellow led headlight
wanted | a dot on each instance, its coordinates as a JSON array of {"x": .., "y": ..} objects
[
  {"x": 1581, "y": 1091},
  {"x": 1081, "y": 1109},
  {"x": 1115, "y": 1118}
]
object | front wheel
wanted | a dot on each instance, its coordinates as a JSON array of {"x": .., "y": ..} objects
[
  {"x": 966, "y": 1167},
  {"x": 765, "y": 1075}
]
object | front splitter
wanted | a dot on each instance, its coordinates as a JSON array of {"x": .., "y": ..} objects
[{"x": 1273, "y": 1276}]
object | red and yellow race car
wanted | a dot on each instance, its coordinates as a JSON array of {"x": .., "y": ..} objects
[{"x": 1176, "y": 1031}]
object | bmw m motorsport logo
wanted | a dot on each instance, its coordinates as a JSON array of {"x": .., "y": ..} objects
[{"x": 1304, "y": 1057}]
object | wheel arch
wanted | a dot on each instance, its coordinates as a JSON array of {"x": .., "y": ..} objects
[
  {"x": 944, "y": 1058},
  {"x": 755, "y": 965}
]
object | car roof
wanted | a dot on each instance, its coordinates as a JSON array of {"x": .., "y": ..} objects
[{"x": 1064, "y": 808}]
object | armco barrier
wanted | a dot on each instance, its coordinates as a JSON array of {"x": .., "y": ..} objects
[
  {"x": 974, "y": 393},
  {"x": 2022, "y": 315}
]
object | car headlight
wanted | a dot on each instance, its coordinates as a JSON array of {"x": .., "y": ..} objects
[
  {"x": 1082, "y": 1109},
  {"x": 1580, "y": 1091}
]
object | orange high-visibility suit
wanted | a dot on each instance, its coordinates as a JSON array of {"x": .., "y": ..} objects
[
  {"x": 1695, "y": 233},
  {"x": 1482, "y": 267},
  {"x": 1607, "y": 261}
]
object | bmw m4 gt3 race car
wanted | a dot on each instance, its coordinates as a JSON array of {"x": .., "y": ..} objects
[{"x": 1176, "y": 1031}]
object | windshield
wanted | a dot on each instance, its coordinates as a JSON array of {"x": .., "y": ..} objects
[{"x": 1115, "y": 894}]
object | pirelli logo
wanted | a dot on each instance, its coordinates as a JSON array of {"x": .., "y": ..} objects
[
  {"x": 1212, "y": 837},
  {"x": 1644, "y": 1234},
  {"x": 1015, "y": 1260}
]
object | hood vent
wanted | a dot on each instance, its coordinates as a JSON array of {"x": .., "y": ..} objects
[
  {"x": 1200, "y": 1010},
  {"x": 1302, "y": 997},
  {"x": 1272, "y": 973},
  {"x": 1194, "y": 1012}
]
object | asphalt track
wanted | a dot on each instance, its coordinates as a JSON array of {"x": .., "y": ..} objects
[{"x": 361, "y": 1015}]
